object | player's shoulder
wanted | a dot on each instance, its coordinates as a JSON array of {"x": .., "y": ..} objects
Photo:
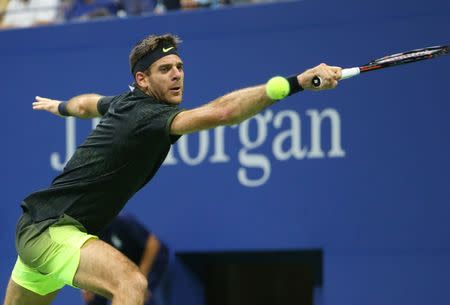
[
  {"x": 108, "y": 100},
  {"x": 152, "y": 105}
]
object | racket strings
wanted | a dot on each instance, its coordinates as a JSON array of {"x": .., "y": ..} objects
[{"x": 412, "y": 55}]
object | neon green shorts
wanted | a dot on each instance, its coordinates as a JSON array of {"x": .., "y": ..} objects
[{"x": 49, "y": 253}]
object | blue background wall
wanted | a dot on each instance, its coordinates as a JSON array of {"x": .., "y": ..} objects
[{"x": 378, "y": 208}]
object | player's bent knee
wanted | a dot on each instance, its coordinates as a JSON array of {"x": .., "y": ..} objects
[
  {"x": 135, "y": 284},
  {"x": 141, "y": 282}
]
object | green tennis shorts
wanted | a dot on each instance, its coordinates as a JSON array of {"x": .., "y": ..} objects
[{"x": 49, "y": 253}]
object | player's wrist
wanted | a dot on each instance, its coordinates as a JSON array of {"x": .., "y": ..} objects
[
  {"x": 62, "y": 109},
  {"x": 294, "y": 84},
  {"x": 279, "y": 87}
]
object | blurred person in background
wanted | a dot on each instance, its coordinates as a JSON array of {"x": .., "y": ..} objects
[
  {"x": 194, "y": 4},
  {"x": 90, "y": 9},
  {"x": 167, "y": 5},
  {"x": 3, "y": 5},
  {"x": 27, "y": 13},
  {"x": 137, "y": 7},
  {"x": 142, "y": 247}
]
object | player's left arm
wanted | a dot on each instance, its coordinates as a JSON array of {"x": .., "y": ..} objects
[
  {"x": 151, "y": 249},
  {"x": 82, "y": 106}
]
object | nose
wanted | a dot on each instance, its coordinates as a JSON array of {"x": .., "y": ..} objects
[{"x": 176, "y": 73}]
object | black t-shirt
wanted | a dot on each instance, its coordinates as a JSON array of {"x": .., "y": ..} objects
[{"x": 118, "y": 158}]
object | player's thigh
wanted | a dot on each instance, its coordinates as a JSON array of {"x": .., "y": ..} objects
[
  {"x": 103, "y": 269},
  {"x": 17, "y": 295}
]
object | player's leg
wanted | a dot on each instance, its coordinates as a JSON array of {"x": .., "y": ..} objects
[
  {"x": 27, "y": 284},
  {"x": 106, "y": 271},
  {"x": 64, "y": 254},
  {"x": 17, "y": 295}
]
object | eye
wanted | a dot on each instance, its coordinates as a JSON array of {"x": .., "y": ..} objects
[
  {"x": 164, "y": 69},
  {"x": 180, "y": 67}
]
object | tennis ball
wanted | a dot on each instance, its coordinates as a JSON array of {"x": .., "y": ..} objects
[{"x": 277, "y": 88}]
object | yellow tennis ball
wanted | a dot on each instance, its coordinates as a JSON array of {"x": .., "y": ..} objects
[{"x": 277, "y": 88}]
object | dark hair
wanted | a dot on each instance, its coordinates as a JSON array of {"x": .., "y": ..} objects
[{"x": 149, "y": 44}]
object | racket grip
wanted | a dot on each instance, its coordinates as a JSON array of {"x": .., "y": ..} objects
[
  {"x": 350, "y": 72},
  {"x": 346, "y": 73}
]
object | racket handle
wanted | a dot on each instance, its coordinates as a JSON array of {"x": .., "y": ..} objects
[
  {"x": 350, "y": 72},
  {"x": 346, "y": 73}
]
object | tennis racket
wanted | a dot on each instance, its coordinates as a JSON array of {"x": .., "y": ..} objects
[{"x": 390, "y": 61}]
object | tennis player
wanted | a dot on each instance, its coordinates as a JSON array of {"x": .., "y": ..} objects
[{"x": 56, "y": 235}]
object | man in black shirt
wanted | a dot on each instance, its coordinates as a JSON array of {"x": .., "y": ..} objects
[{"x": 56, "y": 235}]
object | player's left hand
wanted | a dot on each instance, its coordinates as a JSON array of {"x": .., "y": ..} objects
[{"x": 46, "y": 104}]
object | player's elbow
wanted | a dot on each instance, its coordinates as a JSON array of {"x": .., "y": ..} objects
[
  {"x": 224, "y": 116},
  {"x": 86, "y": 106},
  {"x": 228, "y": 115},
  {"x": 82, "y": 111}
]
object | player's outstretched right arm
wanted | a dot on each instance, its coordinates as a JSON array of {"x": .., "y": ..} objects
[
  {"x": 82, "y": 106},
  {"x": 235, "y": 107}
]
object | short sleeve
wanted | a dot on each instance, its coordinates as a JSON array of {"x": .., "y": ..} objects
[
  {"x": 156, "y": 121},
  {"x": 173, "y": 138},
  {"x": 104, "y": 103}
]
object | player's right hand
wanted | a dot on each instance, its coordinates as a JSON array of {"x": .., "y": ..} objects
[
  {"x": 46, "y": 104},
  {"x": 329, "y": 76}
]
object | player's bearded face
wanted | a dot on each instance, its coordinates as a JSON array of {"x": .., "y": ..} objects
[{"x": 166, "y": 79}]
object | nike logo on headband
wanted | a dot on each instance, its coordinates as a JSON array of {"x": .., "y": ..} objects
[{"x": 165, "y": 50}]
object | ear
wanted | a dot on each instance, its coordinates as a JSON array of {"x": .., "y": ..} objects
[{"x": 141, "y": 79}]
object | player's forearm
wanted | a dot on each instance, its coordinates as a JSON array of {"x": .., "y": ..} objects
[
  {"x": 242, "y": 104},
  {"x": 150, "y": 252},
  {"x": 83, "y": 106}
]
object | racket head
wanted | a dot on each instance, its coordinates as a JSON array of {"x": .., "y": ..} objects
[
  {"x": 396, "y": 59},
  {"x": 405, "y": 57}
]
